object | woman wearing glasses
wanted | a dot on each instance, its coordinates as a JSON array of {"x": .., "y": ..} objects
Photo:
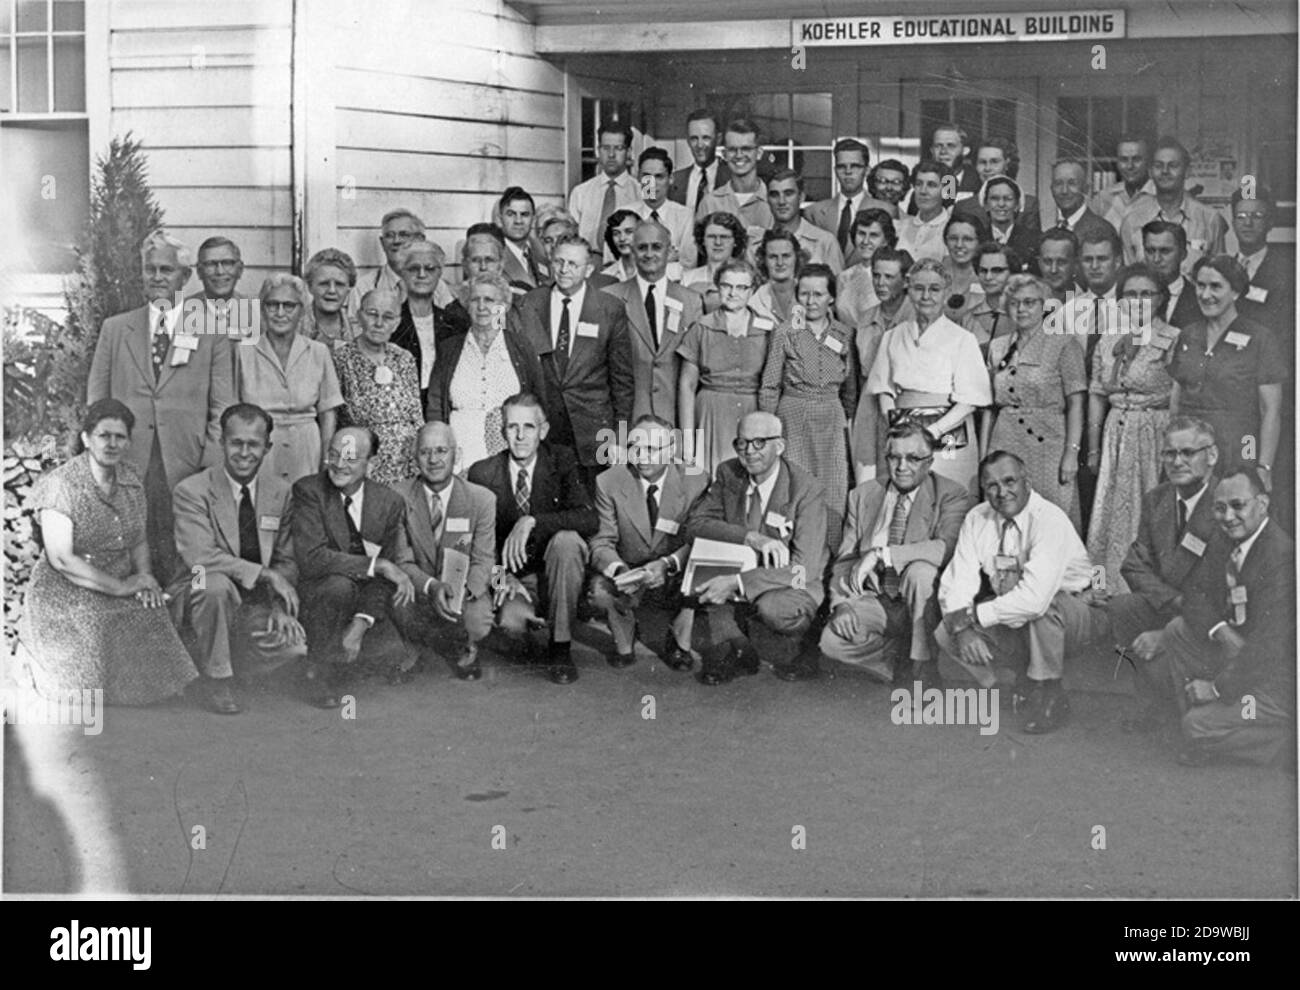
[
  {"x": 962, "y": 237},
  {"x": 780, "y": 260},
  {"x": 719, "y": 238},
  {"x": 1039, "y": 384},
  {"x": 722, "y": 364},
  {"x": 382, "y": 388},
  {"x": 479, "y": 369},
  {"x": 330, "y": 276},
  {"x": 1229, "y": 370},
  {"x": 423, "y": 325},
  {"x": 292, "y": 378},
  {"x": 1128, "y": 397},
  {"x": 810, "y": 380},
  {"x": 994, "y": 264},
  {"x": 1011, "y": 222},
  {"x": 872, "y": 229},
  {"x": 928, "y": 371}
]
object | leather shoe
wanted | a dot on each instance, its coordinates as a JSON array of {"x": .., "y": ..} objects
[
  {"x": 801, "y": 668},
  {"x": 466, "y": 666},
  {"x": 562, "y": 669},
  {"x": 1049, "y": 709},
  {"x": 675, "y": 657},
  {"x": 738, "y": 657},
  {"x": 620, "y": 660},
  {"x": 219, "y": 698}
]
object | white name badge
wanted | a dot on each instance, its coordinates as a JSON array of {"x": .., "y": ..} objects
[
  {"x": 674, "y": 304},
  {"x": 372, "y": 549},
  {"x": 185, "y": 342},
  {"x": 763, "y": 323},
  {"x": 1162, "y": 343},
  {"x": 1238, "y": 595},
  {"x": 776, "y": 520},
  {"x": 1196, "y": 245},
  {"x": 833, "y": 343},
  {"x": 673, "y": 320},
  {"x": 518, "y": 290},
  {"x": 1193, "y": 543},
  {"x": 669, "y": 526},
  {"x": 1257, "y": 293},
  {"x": 1237, "y": 340},
  {"x": 457, "y": 525},
  {"x": 1005, "y": 562},
  {"x": 180, "y": 357},
  {"x": 588, "y": 330},
  {"x": 269, "y": 522}
]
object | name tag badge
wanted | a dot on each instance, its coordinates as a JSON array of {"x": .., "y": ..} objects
[
  {"x": 1193, "y": 543},
  {"x": 669, "y": 526},
  {"x": 187, "y": 342},
  {"x": 1162, "y": 343},
  {"x": 518, "y": 290},
  {"x": 763, "y": 323},
  {"x": 1237, "y": 340},
  {"x": 457, "y": 525},
  {"x": 673, "y": 320},
  {"x": 588, "y": 329},
  {"x": 1005, "y": 562},
  {"x": 1257, "y": 293},
  {"x": 673, "y": 304},
  {"x": 1196, "y": 244},
  {"x": 776, "y": 520},
  {"x": 180, "y": 357},
  {"x": 833, "y": 343},
  {"x": 372, "y": 549},
  {"x": 269, "y": 522},
  {"x": 1238, "y": 595}
]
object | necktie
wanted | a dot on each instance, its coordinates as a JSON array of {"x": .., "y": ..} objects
[
  {"x": 652, "y": 505},
  {"x": 435, "y": 514},
  {"x": 562, "y": 338},
  {"x": 650, "y": 314},
  {"x": 355, "y": 543},
  {"x": 248, "y": 548},
  {"x": 702, "y": 188},
  {"x": 1009, "y": 525},
  {"x": 1062, "y": 224},
  {"x": 606, "y": 208},
  {"x": 654, "y": 215},
  {"x": 897, "y": 527},
  {"x": 529, "y": 264},
  {"x": 1182, "y": 517},
  {"x": 754, "y": 517},
  {"x": 1235, "y": 609},
  {"x": 522, "y": 495},
  {"x": 161, "y": 341},
  {"x": 846, "y": 221}
]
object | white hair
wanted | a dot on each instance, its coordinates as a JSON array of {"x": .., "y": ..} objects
[{"x": 160, "y": 240}]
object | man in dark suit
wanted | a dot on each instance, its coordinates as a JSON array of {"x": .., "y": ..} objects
[
  {"x": 898, "y": 536},
  {"x": 1164, "y": 245},
  {"x": 356, "y": 568},
  {"x": 581, "y": 337},
  {"x": 175, "y": 382},
  {"x": 778, "y": 510},
  {"x": 1069, "y": 189},
  {"x": 950, "y": 146},
  {"x": 643, "y": 506},
  {"x": 659, "y": 312},
  {"x": 233, "y": 535},
  {"x": 1174, "y": 528},
  {"x": 525, "y": 262},
  {"x": 543, "y": 518},
  {"x": 691, "y": 185},
  {"x": 445, "y": 513},
  {"x": 1232, "y": 651}
]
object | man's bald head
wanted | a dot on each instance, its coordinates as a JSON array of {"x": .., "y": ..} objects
[
  {"x": 760, "y": 444},
  {"x": 768, "y": 424}
]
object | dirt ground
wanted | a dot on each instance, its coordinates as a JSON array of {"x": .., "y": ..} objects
[{"x": 585, "y": 796}]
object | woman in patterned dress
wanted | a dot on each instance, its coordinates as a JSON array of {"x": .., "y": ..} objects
[
  {"x": 722, "y": 363},
  {"x": 1130, "y": 378},
  {"x": 871, "y": 230},
  {"x": 780, "y": 260},
  {"x": 381, "y": 387},
  {"x": 94, "y": 613},
  {"x": 292, "y": 378},
  {"x": 479, "y": 369},
  {"x": 330, "y": 277},
  {"x": 719, "y": 237},
  {"x": 1039, "y": 384},
  {"x": 810, "y": 380}
]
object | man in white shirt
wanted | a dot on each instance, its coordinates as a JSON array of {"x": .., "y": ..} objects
[
  {"x": 654, "y": 172},
  {"x": 611, "y": 188},
  {"x": 1036, "y": 566},
  {"x": 1204, "y": 226},
  {"x": 743, "y": 195},
  {"x": 691, "y": 185},
  {"x": 836, "y": 214},
  {"x": 784, "y": 198},
  {"x": 1133, "y": 162}
]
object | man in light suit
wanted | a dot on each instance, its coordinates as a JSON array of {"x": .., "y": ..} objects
[
  {"x": 692, "y": 184},
  {"x": 777, "y": 509},
  {"x": 239, "y": 592},
  {"x": 356, "y": 567},
  {"x": 659, "y": 313},
  {"x": 643, "y": 506},
  {"x": 581, "y": 336},
  {"x": 836, "y": 214},
  {"x": 444, "y": 512},
  {"x": 898, "y": 536},
  {"x": 176, "y": 383}
]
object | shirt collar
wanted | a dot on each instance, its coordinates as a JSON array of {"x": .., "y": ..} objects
[
  {"x": 765, "y": 489},
  {"x": 235, "y": 487},
  {"x": 661, "y": 287},
  {"x": 1073, "y": 218},
  {"x": 173, "y": 316},
  {"x": 1243, "y": 548},
  {"x": 1191, "y": 500},
  {"x": 575, "y": 307}
]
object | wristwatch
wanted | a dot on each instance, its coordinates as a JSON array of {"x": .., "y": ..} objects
[{"x": 671, "y": 567}]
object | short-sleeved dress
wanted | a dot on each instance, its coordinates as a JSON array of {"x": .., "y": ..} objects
[
  {"x": 1030, "y": 397},
  {"x": 294, "y": 396},
  {"x": 82, "y": 639},
  {"x": 481, "y": 382},
  {"x": 731, "y": 370},
  {"x": 391, "y": 409},
  {"x": 1134, "y": 377},
  {"x": 1222, "y": 387},
  {"x": 811, "y": 383}
]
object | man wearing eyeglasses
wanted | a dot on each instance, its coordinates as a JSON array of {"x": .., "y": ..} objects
[
  {"x": 1024, "y": 550},
  {"x": 398, "y": 229},
  {"x": 763, "y": 501},
  {"x": 1232, "y": 651},
  {"x": 1174, "y": 529},
  {"x": 611, "y": 188},
  {"x": 836, "y": 214},
  {"x": 219, "y": 268},
  {"x": 743, "y": 195},
  {"x": 899, "y": 533},
  {"x": 451, "y": 528},
  {"x": 643, "y": 506}
]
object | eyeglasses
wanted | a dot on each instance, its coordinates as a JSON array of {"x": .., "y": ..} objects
[
  {"x": 1237, "y": 505},
  {"x": 1026, "y": 303},
  {"x": 641, "y": 449},
  {"x": 334, "y": 458},
  {"x": 728, "y": 287},
  {"x": 1186, "y": 453},
  {"x": 911, "y": 460},
  {"x": 564, "y": 265},
  {"x": 416, "y": 269},
  {"x": 276, "y": 306},
  {"x": 401, "y": 236},
  {"x": 374, "y": 316},
  {"x": 224, "y": 265},
  {"x": 740, "y": 445}
]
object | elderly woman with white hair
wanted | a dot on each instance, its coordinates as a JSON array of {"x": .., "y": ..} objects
[
  {"x": 292, "y": 378},
  {"x": 424, "y": 324},
  {"x": 330, "y": 276},
  {"x": 929, "y": 371}
]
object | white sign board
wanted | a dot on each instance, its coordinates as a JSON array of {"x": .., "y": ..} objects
[{"x": 924, "y": 29}]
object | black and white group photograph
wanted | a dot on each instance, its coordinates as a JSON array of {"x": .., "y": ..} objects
[{"x": 650, "y": 449}]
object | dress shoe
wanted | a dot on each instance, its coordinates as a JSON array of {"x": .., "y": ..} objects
[
  {"x": 802, "y": 668},
  {"x": 1049, "y": 709},
  {"x": 1194, "y": 756},
  {"x": 724, "y": 664},
  {"x": 675, "y": 657},
  {"x": 466, "y": 667},
  {"x": 562, "y": 669},
  {"x": 219, "y": 698},
  {"x": 620, "y": 660}
]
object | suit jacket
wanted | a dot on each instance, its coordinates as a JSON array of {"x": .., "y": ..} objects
[
  {"x": 654, "y": 370},
  {"x": 1157, "y": 566},
  {"x": 320, "y": 529},
  {"x": 527, "y": 367},
  {"x": 933, "y": 522},
  {"x": 825, "y": 213},
  {"x": 625, "y": 535},
  {"x": 678, "y": 193},
  {"x": 595, "y": 391},
  {"x": 1275, "y": 280},
  {"x": 517, "y": 275},
  {"x": 207, "y": 526},
  {"x": 447, "y": 322},
  {"x": 798, "y": 499},
  {"x": 183, "y": 407},
  {"x": 1090, "y": 224},
  {"x": 1186, "y": 310},
  {"x": 468, "y": 525},
  {"x": 559, "y": 499},
  {"x": 1267, "y": 661}
]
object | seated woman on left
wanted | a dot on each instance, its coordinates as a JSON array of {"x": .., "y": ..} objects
[{"x": 94, "y": 614}]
